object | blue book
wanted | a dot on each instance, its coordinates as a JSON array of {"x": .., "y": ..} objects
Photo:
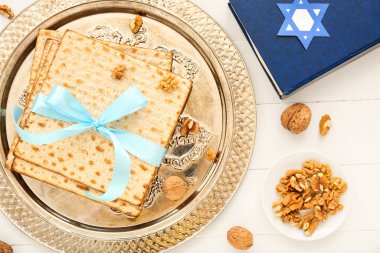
[{"x": 298, "y": 41}]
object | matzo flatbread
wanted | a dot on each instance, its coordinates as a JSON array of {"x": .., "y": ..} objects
[
  {"x": 43, "y": 36},
  {"x": 55, "y": 179},
  {"x": 64, "y": 183},
  {"x": 156, "y": 128},
  {"x": 163, "y": 60},
  {"x": 39, "y": 70}
]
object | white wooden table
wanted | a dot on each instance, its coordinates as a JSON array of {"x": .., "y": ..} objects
[{"x": 351, "y": 95}]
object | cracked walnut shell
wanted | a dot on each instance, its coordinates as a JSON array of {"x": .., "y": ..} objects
[
  {"x": 296, "y": 118},
  {"x": 240, "y": 238}
]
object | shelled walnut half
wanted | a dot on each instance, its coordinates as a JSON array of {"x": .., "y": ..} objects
[
  {"x": 312, "y": 189},
  {"x": 189, "y": 126},
  {"x": 325, "y": 124},
  {"x": 4, "y": 9},
  {"x": 136, "y": 24}
]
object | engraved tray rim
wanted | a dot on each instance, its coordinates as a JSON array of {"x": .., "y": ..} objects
[{"x": 241, "y": 146}]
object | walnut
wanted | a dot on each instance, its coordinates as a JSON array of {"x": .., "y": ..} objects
[
  {"x": 312, "y": 201},
  {"x": 296, "y": 202},
  {"x": 324, "y": 124},
  {"x": 298, "y": 182},
  {"x": 174, "y": 188},
  {"x": 4, "y": 9},
  {"x": 282, "y": 189},
  {"x": 189, "y": 126},
  {"x": 308, "y": 167},
  {"x": 5, "y": 248},
  {"x": 308, "y": 194},
  {"x": 305, "y": 221},
  {"x": 240, "y": 238},
  {"x": 169, "y": 83},
  {"x": 326, "y": 170},
  {"x": 334, "y": 211},
  {"x": 296, "y": 118},
  {"x": 312, "y": 189},
  {"x": 319, "y": 182},
  {"x": 338, "y": 185},
  {"x": 118, "y": 72},
  {"x": 289, "y": 203},
  {"x": 320, "y": 213},
  {"x": 311, "y": 226},
  {"x": 211, "y": 155},
  {"x": 136, "y": 24},
  {"x": 285, "y": 180},
  {"x": 293, "y": 172},
  {"x": 293, "y": 217}
]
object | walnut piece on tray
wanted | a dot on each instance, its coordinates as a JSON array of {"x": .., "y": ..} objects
[
  {"x": 189, "y": 126},
  {"x": 136, "y": 24},
  {"x": 4, "y": 9}
]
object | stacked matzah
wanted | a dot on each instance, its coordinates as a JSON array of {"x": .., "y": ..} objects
[{"x": 85, "y": 161}]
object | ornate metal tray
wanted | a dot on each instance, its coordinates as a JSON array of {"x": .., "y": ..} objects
[{"x": 222, "y": 100}]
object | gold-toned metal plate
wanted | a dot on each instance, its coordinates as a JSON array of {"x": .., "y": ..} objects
[{"x": 222, "y": 101}]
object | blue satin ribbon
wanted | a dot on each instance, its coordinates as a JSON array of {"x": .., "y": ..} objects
[{"x": 61, "y": 105}]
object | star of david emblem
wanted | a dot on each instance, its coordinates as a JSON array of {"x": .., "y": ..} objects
[{"x": 303, "y": 20}]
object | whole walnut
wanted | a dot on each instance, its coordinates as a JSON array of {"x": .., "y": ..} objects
[
  {"x": 240, "y": 238},
  {"x": 174, "y": 188},
  {"x": 5, "y": 248},
  {"x": 296, "y": 118}
]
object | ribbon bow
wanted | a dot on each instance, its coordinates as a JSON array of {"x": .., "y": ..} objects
[{"x": 61, "y": 105}]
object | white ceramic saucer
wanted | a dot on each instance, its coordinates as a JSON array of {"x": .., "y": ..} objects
[{"x": 269, "y": 195}]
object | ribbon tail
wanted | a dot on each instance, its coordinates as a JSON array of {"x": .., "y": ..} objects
[
  {"x": 140, "y": 147},
  {"x": 40, "y": 139},
  {"x": 121, "y": 172}
]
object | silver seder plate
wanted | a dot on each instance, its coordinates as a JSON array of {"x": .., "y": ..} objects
[{"x": 222, "y": 100}]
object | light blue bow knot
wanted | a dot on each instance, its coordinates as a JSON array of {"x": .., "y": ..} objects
[{"x": 61, "y": 105}]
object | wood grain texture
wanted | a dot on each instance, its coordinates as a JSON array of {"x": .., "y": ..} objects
[{"x": 351, "y": 95}]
